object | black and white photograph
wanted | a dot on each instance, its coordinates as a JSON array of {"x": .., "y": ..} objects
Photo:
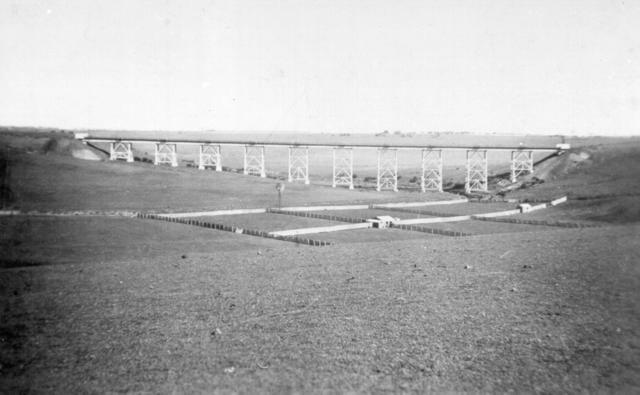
[{"x": 319, "y": 196}]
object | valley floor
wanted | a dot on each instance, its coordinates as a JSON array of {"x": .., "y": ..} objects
[
  {"x": 113, "y": 304},
  {"x": 117, "y": 304}
]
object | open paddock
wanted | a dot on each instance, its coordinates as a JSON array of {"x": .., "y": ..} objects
[
  {"x": 132, "y": 305},
  {"x": 284, "y": 315},
  {"x": 34, "y": 241},
  {"x": 445, "y": 210},
  {"x": 469, "y": 208},
  {"x": 116, "y": 185},
  {"x": 371, "y": 235},
  {"x": 370, "y": 213},
  {"x": 267, "y": 222}
]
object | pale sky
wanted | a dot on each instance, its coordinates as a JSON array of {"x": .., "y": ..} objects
[{"x": 339, "y": 66}]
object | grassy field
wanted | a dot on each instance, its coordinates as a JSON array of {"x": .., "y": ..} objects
[
  {"x": 170, "y": 307},
  {"x": 484, "y": 227},
  {"x": 268, "y": 222},
  {"x": 107, "y": 304},
  {"x": 466, "y": 209},
  {"x": 59, "y": 182},
  {"x": 370, "y": 213}
]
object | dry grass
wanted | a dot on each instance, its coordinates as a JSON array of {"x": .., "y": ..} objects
[
  {"x": 487, "y": 227},
  {"x": 601, "y": 188},
  {"x": 126, "y": 305},
  {"x": 268, "y": 222},
  {"x": 57, "y": 182},
  {"x": 537, "y": 313},
  {"x": 371, "y": 213}
]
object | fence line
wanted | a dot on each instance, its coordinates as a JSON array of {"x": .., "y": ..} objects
[
  {"x": 235, "y": 229},
  {"x": 307, "y": 214},
  {"x": 434, "y": 231},
  {"x": 561, "y": 224}
]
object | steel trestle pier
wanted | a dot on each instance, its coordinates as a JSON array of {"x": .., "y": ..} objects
[{"x": 210, "y": 156}]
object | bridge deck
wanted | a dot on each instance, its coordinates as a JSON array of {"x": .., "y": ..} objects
[{"x": 319, "y": 145}]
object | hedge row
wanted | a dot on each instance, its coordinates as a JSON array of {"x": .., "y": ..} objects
[
  {"x": 235, "y": 229},
  {"x": 430, "y": 230},
  {"x": 308, "y": 214},
  {"x": 537, "y": 222}
]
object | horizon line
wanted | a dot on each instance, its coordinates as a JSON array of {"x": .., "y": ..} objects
[{"x": 344, "y": 133}]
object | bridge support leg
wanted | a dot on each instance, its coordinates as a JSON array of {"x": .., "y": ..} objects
[
  {"x": 210, "y": 157},
  {"x": 387, "y": 169},
  {"x": 299, "y": 164},
  {"x": 120, "y": 150},
  {"x": 166, "y": 154},
  {"x": 431, "y": 170},
  {"x": 254, "y": 160},
  {"x": 343, "y": 167},
  {"x": 521, "y": 163},
  {"x": 477, "y": 170}
]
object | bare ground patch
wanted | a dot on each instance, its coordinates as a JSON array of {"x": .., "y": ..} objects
[{"x": 535, "y": 312}]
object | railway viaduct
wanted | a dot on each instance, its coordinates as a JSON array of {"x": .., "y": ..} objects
[{"x": 210, "y": 156}]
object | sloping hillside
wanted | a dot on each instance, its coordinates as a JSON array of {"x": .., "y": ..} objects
[
  {"x": 600, "y": 180},
  {"x": 48, "y": 141},
  {"x": 45, "y": 175}
]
